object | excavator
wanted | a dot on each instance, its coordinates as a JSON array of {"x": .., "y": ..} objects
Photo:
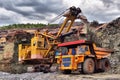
[{"x": 40, "y": 51}]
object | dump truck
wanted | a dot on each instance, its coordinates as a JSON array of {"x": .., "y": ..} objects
[
  {"x": 83, "y": 56},
  {"x": 40, "y": 51}
]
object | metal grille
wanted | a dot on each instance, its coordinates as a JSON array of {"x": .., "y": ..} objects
[{"x": 66, "y": 62}]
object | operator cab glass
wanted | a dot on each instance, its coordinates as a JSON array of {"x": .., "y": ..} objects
[
  {"x": 74, "y": 49},
  {"x": 82, "y": 49},
  {"x": 64, "y": 50},
  {"x": 58, "y": 52},
  {"x": 68, "y": 50}
]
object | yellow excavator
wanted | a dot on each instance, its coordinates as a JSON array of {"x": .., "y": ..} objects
[{"x": 40, "y": 52}]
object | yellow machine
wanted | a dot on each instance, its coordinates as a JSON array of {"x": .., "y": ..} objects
[
  {"x": 83, "y": 56},
  {"x": 41, "y": 49}
]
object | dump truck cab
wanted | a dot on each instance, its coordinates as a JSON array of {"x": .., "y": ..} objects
[{"x": 83, "y": 56}]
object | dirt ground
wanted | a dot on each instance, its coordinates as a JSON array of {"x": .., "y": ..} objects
[{"x": 58, "y": 76}]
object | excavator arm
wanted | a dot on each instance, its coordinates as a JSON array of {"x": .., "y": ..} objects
[{"x": 70, "y": 15}]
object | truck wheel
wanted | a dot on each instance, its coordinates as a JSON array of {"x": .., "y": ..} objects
[
  {"x": 105, "y": 65},
  {"x": 88, "y": 66},
  {"x": 66, "y": 71}
]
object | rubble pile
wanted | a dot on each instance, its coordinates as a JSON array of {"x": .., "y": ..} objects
[
  {"x": 109, "y": 37},
  {"x": 9, "y": 61}
]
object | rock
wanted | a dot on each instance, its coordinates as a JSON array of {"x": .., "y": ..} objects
[
  {"x": 109, "y": 37},
  {"x": 57, "y": 76}
]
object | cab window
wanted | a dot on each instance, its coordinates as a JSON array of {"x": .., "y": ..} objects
[{"x": 82, "y": 49}]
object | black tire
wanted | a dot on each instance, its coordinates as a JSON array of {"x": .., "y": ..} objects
[
  {"x": 66, "y": 72},
  {"x": 105, "y": 65},
  {"x": 88, "y": 66},
  {"x": 36, "y": 68},
  {"x": 46, "y": 70},
  {"x": 41, "y": 69}
]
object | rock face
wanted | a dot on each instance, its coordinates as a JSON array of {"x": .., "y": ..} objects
[
  {"x": 109, "y": 37},
  {"x": 9, "y": 57},
  {"x": 8, "y": 50}
]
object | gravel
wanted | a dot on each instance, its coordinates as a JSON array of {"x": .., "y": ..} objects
[
  {"x": 109, "y": 37},
  {"x": 58, "y": 76}
]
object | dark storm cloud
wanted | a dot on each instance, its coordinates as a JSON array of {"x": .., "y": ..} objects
[
  {"x": 51, "y": 7},
  {"x": 103, "y": 11},
  {"x": 18, "y": 11},
  {"x": 3, "y": 17},
  {"x": 108, "y": 3},
  {"x": 39, "y": 7},
  {"x": 33, "y": 9},
  {"x": 28, "y": 3},
  {"x": 11, "y": 6},
  {"x": 7, "y": 20},
  {"x": 36, "y": 17},
  {"x": 1, "y": 4}
]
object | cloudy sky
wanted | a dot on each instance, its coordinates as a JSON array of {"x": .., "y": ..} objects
[{"x": 42, "y": 11}]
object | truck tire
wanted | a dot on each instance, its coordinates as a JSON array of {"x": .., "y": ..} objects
[
  {"x": 105, "y": 65},
  {"x": 88, "y": 66},
  {"x": 66, "y": 72}
]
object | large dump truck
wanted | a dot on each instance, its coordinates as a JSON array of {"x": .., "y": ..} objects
[
  {"x": 40, "y": 52},
  {"x": 82, "y": 56}
]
